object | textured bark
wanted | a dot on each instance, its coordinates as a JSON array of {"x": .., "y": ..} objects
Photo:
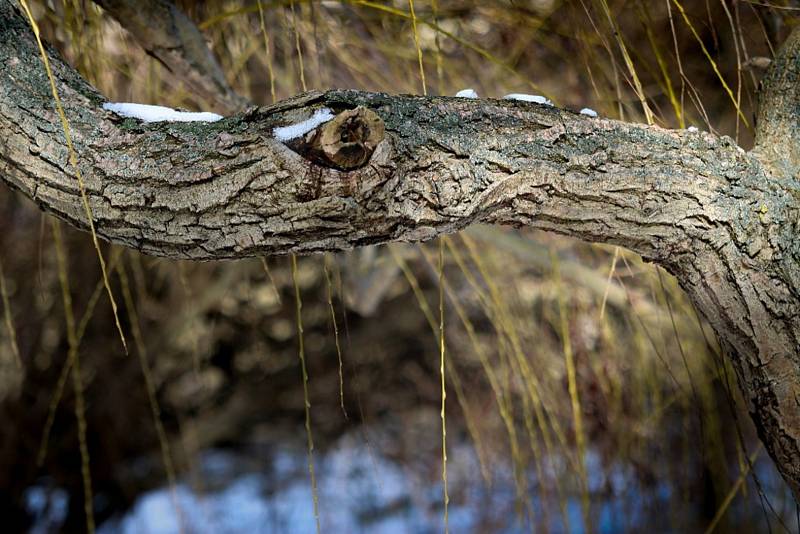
[
  {"x": 723, "y": 221},
  {"x": 168, "y": 35}
]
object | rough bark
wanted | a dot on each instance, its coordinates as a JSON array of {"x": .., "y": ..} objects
[{"x": 723, "y": 221}]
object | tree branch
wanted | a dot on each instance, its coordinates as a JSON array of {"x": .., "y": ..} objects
[
  {"x": 778, "y": 125},
  {"x": 168, "y": 35},
  {"x": 230, "y": 189},
  {"x": 723, "y": 221}
]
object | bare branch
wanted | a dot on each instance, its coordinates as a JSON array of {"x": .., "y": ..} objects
[
  {"x": 168, "y": 35},
  {"x": 778, "y": 126},
  {"x": 231, "y": 189}
]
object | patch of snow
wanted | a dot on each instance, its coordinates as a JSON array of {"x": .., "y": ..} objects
[
  {"x": 589, "y": 112},
  {"x": 692, "y": 128},
  {"x": 467, "y": 93},
  {"x": 47, "y": 506},
  {"x": 538, "y": 99},
  {"x": 293, "y": 131},
  {"x": 147, "y": 113}
]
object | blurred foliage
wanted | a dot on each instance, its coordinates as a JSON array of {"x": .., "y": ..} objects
[{"x": 655, "y": 395}]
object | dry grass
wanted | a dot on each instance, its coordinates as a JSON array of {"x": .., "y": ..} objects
[{"x": 570, "y": 362}]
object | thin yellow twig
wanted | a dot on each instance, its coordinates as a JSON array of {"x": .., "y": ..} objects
[
  {"x": 12, "y": 333},
  {"x": 306, "y": 401},
  {"x": 73, "y": 159}
]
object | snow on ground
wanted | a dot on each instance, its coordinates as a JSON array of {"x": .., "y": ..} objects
[
  {"x": 692, "y": 128},
  {"x": 361, "y": 490},
  {"x": 148, "y": 113},
  {"x": 589, "y": 112}
]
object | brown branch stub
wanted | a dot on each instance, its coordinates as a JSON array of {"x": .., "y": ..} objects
[{"x": 348, "y": 141}]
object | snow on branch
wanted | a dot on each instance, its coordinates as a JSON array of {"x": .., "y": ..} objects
[{"x": 148, "y": 113}]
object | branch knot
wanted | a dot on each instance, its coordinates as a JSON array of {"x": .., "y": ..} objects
[{"x": 348, "y": 141}]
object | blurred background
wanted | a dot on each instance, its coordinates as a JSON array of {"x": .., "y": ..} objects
[{"x": 584, "y": 392}]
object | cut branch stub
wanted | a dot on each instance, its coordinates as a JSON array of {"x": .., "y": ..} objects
[{"x": 348, "y": 140}]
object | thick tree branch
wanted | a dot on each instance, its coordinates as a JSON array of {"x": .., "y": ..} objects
[
  {"x": 168, "y": 35},
  {"x": 778, "y": 126},
  {"x": 723, "y": 221},
  {"x": 230, "y": 189}
]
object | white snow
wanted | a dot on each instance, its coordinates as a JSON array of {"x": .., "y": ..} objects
[
  {"x": 467, "y": 93},
  {"x": 293, "y": 131},
  {"x": 149, "y": 113},
  {"x": 589, "y": 112},
  {"x": 539, "y": 99},
  {"x": 692, "y": 128}
]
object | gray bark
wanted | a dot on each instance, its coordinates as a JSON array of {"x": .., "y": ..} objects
[{"x": 722, "y": 220}]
